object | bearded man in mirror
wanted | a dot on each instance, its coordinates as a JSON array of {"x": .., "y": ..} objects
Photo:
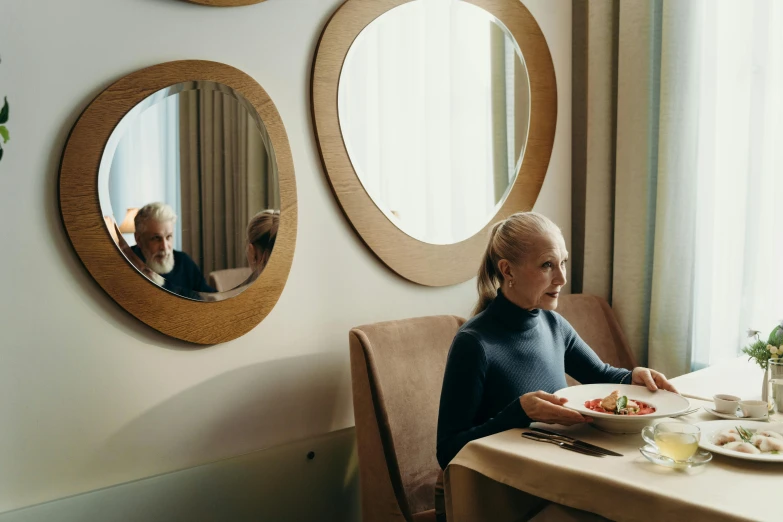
[{"x": 155, "y": 247}]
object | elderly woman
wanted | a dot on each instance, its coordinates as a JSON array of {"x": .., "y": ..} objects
[{"x": 507, "y": 361}]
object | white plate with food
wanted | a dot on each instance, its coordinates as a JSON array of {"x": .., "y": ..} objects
[
  {"x": 742, "y": 439},
  {"x": 622, "y": 408},
  {"x": 737, "y": 415}
]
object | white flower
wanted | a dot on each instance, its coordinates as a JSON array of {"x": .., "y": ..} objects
[
  {"x": 753, "y": 333},
  {"x": 772, "y": 349}
]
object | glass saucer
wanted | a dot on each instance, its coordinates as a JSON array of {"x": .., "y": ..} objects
[{"x": 700, "y": 458}]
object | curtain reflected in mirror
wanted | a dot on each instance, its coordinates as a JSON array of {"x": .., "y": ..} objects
[
  {"x": 190, "y": 173},
  {"x": 434, "y": 108}
]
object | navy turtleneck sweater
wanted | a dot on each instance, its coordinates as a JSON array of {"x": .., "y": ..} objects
[{"x": 501, "y": 354}]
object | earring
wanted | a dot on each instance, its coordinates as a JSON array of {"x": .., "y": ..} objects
[{"x": 511, "y": 283}]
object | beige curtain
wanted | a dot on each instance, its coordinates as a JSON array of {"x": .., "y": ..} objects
[
  {"x": 225, "y": 178},
  {"x": 677, "y": 181},
  {"x": 500, "y": 135},
  {"x": 633, "y": 200},
  {"x": 510, "y": 109}
]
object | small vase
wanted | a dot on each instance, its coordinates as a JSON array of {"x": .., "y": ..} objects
[
  {"x": 775, "y": 384},
  {"x": 765, "y": 386}
]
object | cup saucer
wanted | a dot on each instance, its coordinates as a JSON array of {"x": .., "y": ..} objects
[
  {"x": 651, "y": 453},
  {"x": 733, "y": 416}
]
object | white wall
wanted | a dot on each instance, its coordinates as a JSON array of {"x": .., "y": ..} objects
[
  {"x": 278, "y": 484},
  {"x": 89, "y": 396}
]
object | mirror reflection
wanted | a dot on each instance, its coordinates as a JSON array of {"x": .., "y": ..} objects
[
  {"x": 434, "y": 104},
  {"x": 189, "y": 191}
]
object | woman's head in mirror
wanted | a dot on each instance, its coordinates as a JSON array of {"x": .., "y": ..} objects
[
  {"x": 261, "y": 234},
  {"x": 155, "y": 236},
  {"x": 525, "y": 260}
]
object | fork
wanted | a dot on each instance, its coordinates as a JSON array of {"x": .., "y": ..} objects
[{"x": 694, "y": 410}]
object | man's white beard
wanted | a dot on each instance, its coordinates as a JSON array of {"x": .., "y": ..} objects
[{"x": 160, "y": 265}]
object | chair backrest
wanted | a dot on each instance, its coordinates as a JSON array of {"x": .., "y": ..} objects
[
  {"x": 594, "y": 321},
  {"x": 223, "y": 280},
  {"x": 397, "y": 372}
]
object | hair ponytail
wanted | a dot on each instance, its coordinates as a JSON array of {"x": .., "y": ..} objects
[
  {"x": 488, "y": 280},
  {"x": 510, "y": 239}
]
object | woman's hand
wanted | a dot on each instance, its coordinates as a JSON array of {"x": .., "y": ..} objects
[
  {"x": 541, "y": 406},
  {"x": 651, "y": 379}
]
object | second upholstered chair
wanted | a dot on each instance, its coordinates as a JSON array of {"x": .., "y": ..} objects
[
  {"x": 595, "y": 322},
  {"x": 223, "y": 280}
]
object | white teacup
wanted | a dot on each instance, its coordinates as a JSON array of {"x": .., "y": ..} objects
[
  {"x": 726, "y": 403},
  {"x": 753, "y": 409}
]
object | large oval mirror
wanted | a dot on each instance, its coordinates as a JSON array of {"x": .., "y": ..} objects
[
  {"x": 434, "y": 119},
  {"x": 177, "y": 191},
  {"x": 188, "y": 186},
  {"x": 434, "y": 108}
]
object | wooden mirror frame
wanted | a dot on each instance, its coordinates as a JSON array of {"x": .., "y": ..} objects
[
  {"x": 193, "y": 321},
  {"x": 225, "y": 3},
  {"x": 426, "y": 263}
]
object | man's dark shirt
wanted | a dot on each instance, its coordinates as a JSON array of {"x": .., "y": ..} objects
[{"x": 185, "y": 277}]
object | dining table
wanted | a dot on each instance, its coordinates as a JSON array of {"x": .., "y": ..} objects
[{"x": 501, "y": 476}]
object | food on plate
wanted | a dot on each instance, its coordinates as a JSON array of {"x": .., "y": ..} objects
[
  {"x": 618, "y": 404},
  {"x": 772, "y": 434},
  {"x": 749, "y": 441},
  {"x": 726, "y": 436},
  {"x": 743, "y": 447},
  {"x": 767, "y": 443}
]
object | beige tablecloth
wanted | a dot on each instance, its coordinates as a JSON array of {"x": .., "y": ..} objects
[
  {"x": 627, "y": 488},
  {"x": 738, "y": 377}
]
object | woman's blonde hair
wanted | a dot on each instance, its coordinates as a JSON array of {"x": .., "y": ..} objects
[
  {"x": 509, "y": 239},
  {"x": 262, "y": 231}
]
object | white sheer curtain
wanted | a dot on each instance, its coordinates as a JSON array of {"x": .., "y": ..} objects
[
  {"x": 718, "y": 253},
  {"x": 678, "y": 122},
  {"x": 738, "y": 269},
  {"x": 145, "y": 164}
]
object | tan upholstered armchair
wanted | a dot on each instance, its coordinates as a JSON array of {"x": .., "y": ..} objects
[
  {"x": 397, "y": 372},
  {"x": 228, "y": 279},
  {"x": 595, "y": 322}
]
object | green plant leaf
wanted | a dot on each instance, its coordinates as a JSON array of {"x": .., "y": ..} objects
[
  {"x": 775, "y": 336},
  {"x": 4, "y": 134},
  {"x": 758, "y": 352},
  {"x": 4, "y": 111},
  {"x": 622, "y": 402}
]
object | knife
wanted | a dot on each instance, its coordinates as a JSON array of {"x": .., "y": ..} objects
[
  {"x": 565, "y": 445},
  {"x": 579, "y": 443}
]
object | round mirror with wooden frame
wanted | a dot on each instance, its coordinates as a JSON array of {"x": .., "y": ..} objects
[
  {"x": 201, "y": 148},
  {"x": 369, "y": 119}
]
